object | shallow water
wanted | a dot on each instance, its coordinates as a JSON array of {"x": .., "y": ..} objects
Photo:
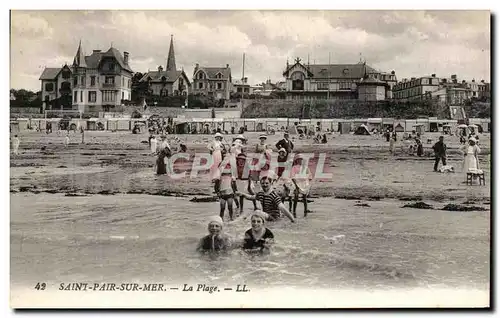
[{"x": 144, "y": 238}]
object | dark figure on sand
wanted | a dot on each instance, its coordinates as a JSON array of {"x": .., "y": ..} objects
[{"x": 439, "y": 153}]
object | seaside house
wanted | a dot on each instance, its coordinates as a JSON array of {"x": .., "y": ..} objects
[
  {"x": 169, "y": 81},
  {"x": 212, "y": 81},
  {"x": 331, "y": 81}
]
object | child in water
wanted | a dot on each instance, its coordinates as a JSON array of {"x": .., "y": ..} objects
[
  {"x": 258, "y": 238},
  {"x": 216, "y": 240}
]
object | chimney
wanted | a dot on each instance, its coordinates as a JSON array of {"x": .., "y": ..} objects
[
  {"x": 160, "y": 69},
  {"x": 433, "y": 75},
  {"x": 482, "y": 81},
  {"x": 96, "y": 51},
  {"x": 125, "y": 57},
  {"x": 454, "y": 77},
  {"x": 473, "y": 80},
  {"x": 463, "y": 81},
  {"x": 227, "y": 65},
  {"x": 393, "y": 72}
]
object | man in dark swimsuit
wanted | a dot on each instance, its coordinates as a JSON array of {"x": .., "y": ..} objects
[{"x": 270, "y": 201}]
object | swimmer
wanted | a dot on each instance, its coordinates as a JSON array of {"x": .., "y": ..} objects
[
  {"x": 225, "y": 187},
  {"x": 272, "y": 205},
  {"x": 216, "y": 240},
  {"x": 259, "y": 237}
]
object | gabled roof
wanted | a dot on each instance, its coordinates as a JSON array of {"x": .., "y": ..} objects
[
  {"x": 112, "y": 52},
  {"x": 170, "y": 76},
  {"x": 351, "y": 71},
  {"x": 95, "y": 58},
  {"x": 285, "y": 73},
  {"x": 213, "y": 71},
  {"x": 50, "y": 73}
]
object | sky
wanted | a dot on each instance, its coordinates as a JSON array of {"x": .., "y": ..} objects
[{"x": 412, "y": 43}]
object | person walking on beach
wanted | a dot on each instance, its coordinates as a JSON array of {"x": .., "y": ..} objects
[
  {"x": 153, "y": 144},
  {"x": 439, "y": 153},
  {"x": 392, "y": 145},
  {"x": 15, "y": 145},
  {"x": 82, "y": 131},
  {"x": 66, "y": 140}
]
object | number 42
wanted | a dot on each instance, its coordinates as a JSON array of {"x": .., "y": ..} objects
[{"x": 40, "y": 286}]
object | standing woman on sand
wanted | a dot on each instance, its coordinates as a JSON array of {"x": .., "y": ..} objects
[
  {"x": 471, "y": 151},
  {"x": 216, "y": 147},
  {"x": 15, "y": 145},
  {"x": 392, "y": 145},
  {"x": 262, "y": 146},
  {"x": 165, "y": 153}
]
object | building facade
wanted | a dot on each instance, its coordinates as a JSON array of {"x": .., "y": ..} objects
[
  {"x": 242, "y": 86},
  {"x": 57, "y": 88},
  {"x": 212, "y": 81},
  {"x": 372, "y": 89},
  {"x": 448, "y": 90},
  {"x": 416, "y": 88},
  {"x": 101, "y": 81},
  {"x": 331, "y": 81},
  {"x": 168, "y": 82}
]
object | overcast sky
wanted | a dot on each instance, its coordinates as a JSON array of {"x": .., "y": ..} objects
[{"x": 413, "y": 43}]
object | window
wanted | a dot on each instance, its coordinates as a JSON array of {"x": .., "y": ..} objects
[
  {"x": 164, "y": 92},
  {"x": 129, "y": 83},
  {"x": 108, "y": 96},
  {"x": 239, "y": 90},
  {"x": 109, "y": 80},
  {"x": 200, "y": 85},
  {"x": 81, "y": 96},
  {"x": 345, "y": 85},
  {"x": 123, "y": 95},
  {"x": 92, "y": 81},
  {"x": 49, "y": 87},
  {"x": 298, "y": 76},
  {"x": 322, "y": 85},
  {"x": 75, "y": 96},
  {"x": 83, "y": 80},
  {"x": 111, "y": 66},
  {"x": 123, "y": 82},
  {"x": 219, "y": 85},
  {"x": 425, "y": 81},
  {"x": 200, "y": 75},
  {"x": 66, "y": 74},
  {"x": 92, "y": 97},
  {"x": 75, "y": 80}
]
